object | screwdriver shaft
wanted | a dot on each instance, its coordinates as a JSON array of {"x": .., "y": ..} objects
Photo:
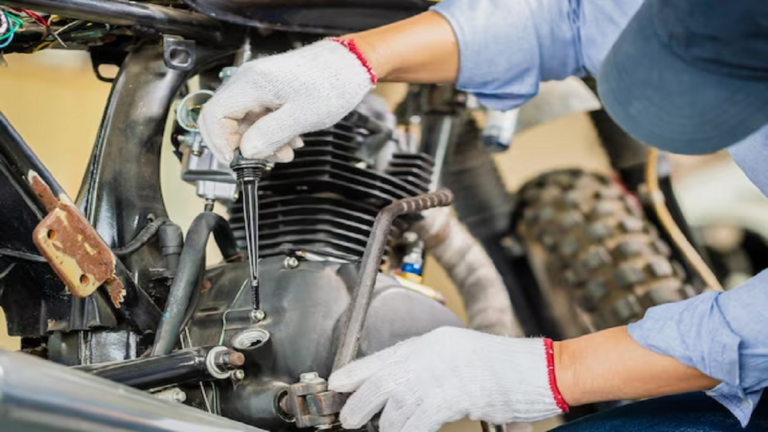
[
  {"x": 248, "y": 172},
  {"x": 251, "y": 216}
]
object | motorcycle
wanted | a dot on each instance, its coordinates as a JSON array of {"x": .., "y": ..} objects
[{"x": 108, "y": 288}]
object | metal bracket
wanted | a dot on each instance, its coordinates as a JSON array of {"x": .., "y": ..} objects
[
  {"x": 178, "y": 53},
  {"x": 311, "y": 404},
  {"x": 72, "y": 246}
]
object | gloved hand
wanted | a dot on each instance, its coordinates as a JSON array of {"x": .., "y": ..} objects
[
  {"x": 449, "y": 374},
  {"x": 269, "y": 102}
]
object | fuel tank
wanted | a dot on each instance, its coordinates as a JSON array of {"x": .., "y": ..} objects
[{"x": 312, "y": 16}]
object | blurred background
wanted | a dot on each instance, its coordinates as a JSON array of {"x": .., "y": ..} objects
[{"x": 55, "y": 102}]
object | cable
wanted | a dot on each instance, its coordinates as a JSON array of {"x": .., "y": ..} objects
[
  {"x": 144, "y": 236},
  {"x": 668, "y": 222},
  {"x": 9, "y": 36},
  {"x": 34, "y": 15},
  {"x": 26, "y": 256}
]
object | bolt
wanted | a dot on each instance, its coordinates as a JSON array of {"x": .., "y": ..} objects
[
  {"x": 238, "y": 374},
  {"x": 258, "y": 315},
  {"x": 310, "y": 377},
  {"x": 228, "y": 360},
  {"x": 291, "y": 263},
  {"x": 179, "y": 396},
  {"x": 174, "y": 394}
]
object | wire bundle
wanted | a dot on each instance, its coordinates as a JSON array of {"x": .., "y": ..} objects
[{"x": 11, "y": 23}]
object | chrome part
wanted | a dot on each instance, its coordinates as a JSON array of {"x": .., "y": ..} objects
[
  {"x": 42, "y": 396},
  {"x": 214, "y": 363}
]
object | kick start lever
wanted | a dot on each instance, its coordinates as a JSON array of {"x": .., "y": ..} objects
[{"x": 249, "y": 172}]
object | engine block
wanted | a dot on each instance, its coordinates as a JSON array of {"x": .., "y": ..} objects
[{"x": 304, "y": 302}]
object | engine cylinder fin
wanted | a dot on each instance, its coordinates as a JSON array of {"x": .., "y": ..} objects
[{"x": 326, "y": 200}]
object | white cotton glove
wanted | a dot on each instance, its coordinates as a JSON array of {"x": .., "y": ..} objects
[
  {"x": 269, "y": 102},
  {"x": 449, "y": 374}
]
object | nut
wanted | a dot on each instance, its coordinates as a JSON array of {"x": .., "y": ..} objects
[
  {"x": 258, "y": 315},
  {"x": 291, "y": 263},
  {"x": 238, "y": 374}
]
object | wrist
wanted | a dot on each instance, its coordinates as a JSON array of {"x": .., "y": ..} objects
[
  {"x": 564, "y": 372},
  {"x": 370, "y": 53}
]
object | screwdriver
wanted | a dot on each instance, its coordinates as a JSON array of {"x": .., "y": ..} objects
[{"x": 249, "y": 172}]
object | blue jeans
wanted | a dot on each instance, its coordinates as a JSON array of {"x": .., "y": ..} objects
[{"x": 692, "y": 412}]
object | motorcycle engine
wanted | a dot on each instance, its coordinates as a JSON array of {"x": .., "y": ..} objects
[{"x": 315, "y": 216}]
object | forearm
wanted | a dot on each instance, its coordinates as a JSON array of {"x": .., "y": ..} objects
[
  {"x": 610, "y": 365},
  {"x": 421, "y": 49}
]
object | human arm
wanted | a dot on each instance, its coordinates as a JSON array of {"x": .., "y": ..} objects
[
  {"x": 722, "y": 334},
  {"x": 453, "y": 373},
  {"x": 610, "y": 365},
  {"x": 499, "y": 51}
]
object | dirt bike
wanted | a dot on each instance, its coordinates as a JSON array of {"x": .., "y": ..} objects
[{"x": 108, "y": 288}]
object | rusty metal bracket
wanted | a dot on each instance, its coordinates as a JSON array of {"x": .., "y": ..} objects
[
  {"x": 72, "y": 246},
  {"x": 311, "y": 404}
]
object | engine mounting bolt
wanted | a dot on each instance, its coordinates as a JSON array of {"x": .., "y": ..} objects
[
  {"x": 310, "y": 377},
  {"x": 258, "y": 315},
  {"x": 238, "y": 374},
  {"x": 291, "y": 263}
]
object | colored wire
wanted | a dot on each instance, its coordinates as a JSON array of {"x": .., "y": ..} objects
[
  {"x": 8, "y": 37},
  {"x": 40, "y": 20},
  {"x": 15, "y": 23}
]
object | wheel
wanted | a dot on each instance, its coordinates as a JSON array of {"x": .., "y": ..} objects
[{"x": 598, "y": 261}]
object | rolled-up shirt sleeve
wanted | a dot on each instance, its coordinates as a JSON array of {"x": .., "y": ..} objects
[
  {"x": 507, "y": 47},
  {"x": 724, "y": 335}
]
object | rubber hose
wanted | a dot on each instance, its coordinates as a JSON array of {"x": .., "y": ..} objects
[
  {"x": 144, "y": 236},
  {"x": 187, "y": 276}
]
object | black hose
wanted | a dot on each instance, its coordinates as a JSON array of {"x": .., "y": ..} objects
[
  {"x": 188, "y": 274},
  {"x": 143, "y": 237}
]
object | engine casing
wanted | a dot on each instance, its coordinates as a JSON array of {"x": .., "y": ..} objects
[{"x": 304, "y": 306}]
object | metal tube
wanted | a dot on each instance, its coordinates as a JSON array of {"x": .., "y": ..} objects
[
  {"x": 127, "y": 13},
  {"x": 42, "y": 396},
  {"x": 176, "y": 368},
  {"x": 369, "y": 268}
]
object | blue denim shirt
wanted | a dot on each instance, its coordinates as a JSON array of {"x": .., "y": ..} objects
[{"x": 506, "y": 48}]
